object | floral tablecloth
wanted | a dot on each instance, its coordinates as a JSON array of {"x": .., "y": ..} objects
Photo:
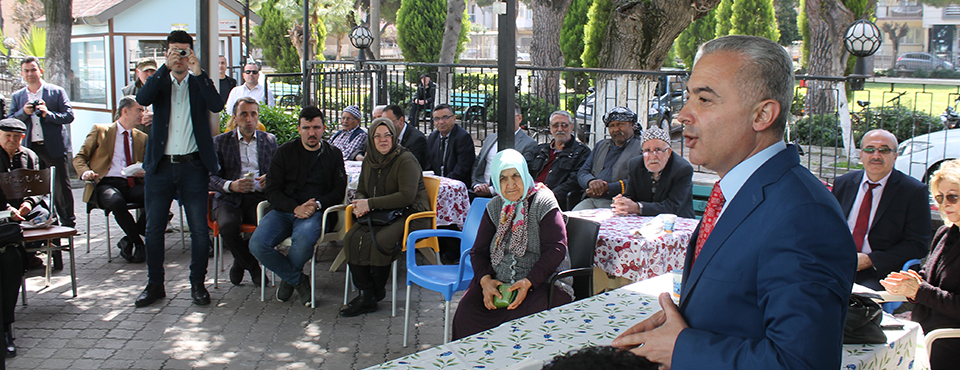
[
  {"x": 528, "y": 342},
  {"x": 453, "y": 202},
  {"x": 621, "y": 253}
]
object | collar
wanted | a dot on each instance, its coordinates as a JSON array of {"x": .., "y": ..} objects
[
  {"x": 625, "y": 143},
  {"x": 882, "y": 182},
  {"x": 731, "y": 183},
  {"x": 179, "y": 84},
  {"x": 402, "y": 131},
  {"x": 240, "y": 135},
  {"x": 39, "y": 89},
  {"x": 254, "y": 88}
]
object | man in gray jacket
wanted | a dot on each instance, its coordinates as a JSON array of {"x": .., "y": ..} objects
[
  {"x": 606, "y": 171},
  {"x": 523, "y": 143}
]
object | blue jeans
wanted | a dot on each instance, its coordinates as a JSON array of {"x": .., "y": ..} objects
[
  {"x": 190, "y": 181},
  {"x": 273, "y": 229}
]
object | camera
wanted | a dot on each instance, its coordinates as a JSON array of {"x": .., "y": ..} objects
[
  {"x": 183, "y": 52},
  {"x": 34, "y": 105}
]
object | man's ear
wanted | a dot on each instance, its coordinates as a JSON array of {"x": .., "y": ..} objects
[{"x": 764, "y": 114}]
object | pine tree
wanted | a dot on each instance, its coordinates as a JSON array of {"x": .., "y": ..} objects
[
  {"x": 420, "y": 29},
  {"x": 271, "y": 36},
  {"x": 594, "y": 32},
  {"x": 724, "y": 14},
  {"x": 701, "y": 31},
  {"x": 787, "y": 21},
  {"x": 754, "y": 17},
  {"x": 571, "y": 41}
]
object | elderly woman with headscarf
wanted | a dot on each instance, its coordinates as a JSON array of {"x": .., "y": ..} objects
[
  {"x": 390, "y": 178},
  {"x": 935, "y": 291},
  {"x": 522, "y": 240}
]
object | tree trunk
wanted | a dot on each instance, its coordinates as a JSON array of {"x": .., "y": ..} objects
[
  {"x": 448, "y": 48},
  {"x": 545, "y": 47},
  {"x": 894, "y": 33},
  {"x": 59, "y": 25},
  {"x": 828, "y": 19},
  {"x": 375, "y": 28}
]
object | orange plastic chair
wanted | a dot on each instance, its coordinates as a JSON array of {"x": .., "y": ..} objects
[{"x": 217, "y": 244}]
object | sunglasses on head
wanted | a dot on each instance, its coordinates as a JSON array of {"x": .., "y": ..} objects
[{"x": 950, "y": 198}]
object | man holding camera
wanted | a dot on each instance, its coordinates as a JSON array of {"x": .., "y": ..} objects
[{"x": 45, "y": 108}]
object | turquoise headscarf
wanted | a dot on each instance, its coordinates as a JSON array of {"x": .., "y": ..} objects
[
  {"x": 506, "y": 159},
  {"x": 512, "y": 214}
]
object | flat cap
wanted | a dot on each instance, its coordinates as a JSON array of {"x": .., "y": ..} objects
[
  {"x": 147, "y": 64},
  {"x": 12, "y": 125}
]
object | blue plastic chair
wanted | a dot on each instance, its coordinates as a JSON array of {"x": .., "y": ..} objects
[
  {"x": 446, "y": 279},
  {"x": 889, "y": 307}
]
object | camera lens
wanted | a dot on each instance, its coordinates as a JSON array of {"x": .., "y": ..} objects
[{"x": 183, "y": 53}]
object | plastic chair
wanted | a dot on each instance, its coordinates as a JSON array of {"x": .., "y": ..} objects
[
  {"x": 217, "y": 242},
  {"x": 327, "y": 236},
  {"x": 581, "y": 245},
  {"x": 433, "y": 188},
  {"x": 938, "y": 334},
  {"x": 94, "y": 204},
  {"x": 889, "y": 307},
  {"x": 446, "y": 279}
]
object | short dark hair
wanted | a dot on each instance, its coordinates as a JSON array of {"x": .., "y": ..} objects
[
  {"x": 394, "y": 109},
  {"x": 444, "y": 106},
  {"x": 31, "y": 59},
  {"x": 251, "y": 63},
  {"x": 600, "y": 358},
  {"x": 179, "y": 36},
  {"x": 309, "y": 113},
  {"x": 245, "y": 99}
]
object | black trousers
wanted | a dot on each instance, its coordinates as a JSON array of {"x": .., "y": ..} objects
[
  {"x": 230, "y": 218},
  {"x": 64, "y": 198},
  {"x": 114, "y": 193},
  {"x": 11, "y": 277},
  {"x": 370, "y": 277}
]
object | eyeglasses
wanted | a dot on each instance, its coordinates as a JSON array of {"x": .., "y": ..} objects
[
  {"x": 656, "y": 151},
  {"x": 251, "y": 72},
  {"x": 870, "y": 150},
  {"x": 559, "y": 125},
  {"x": 951, "y": 198},
  {"x": 379, "y": 137},
  {"x": 444, "y": 118}
]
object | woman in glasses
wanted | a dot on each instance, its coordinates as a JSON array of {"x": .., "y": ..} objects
[{"x": 935, "y": 290}]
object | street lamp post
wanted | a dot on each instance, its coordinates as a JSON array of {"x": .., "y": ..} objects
[
  {"x": 861, "y": 40},
  {"x": 361, "y": 38}
]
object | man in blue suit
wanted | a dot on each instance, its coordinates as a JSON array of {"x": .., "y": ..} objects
[
  {"x": 769, "y": 271},
  {"x": 179, "y": 159}
]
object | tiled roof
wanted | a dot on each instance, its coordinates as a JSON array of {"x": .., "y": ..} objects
[{"x": 92, "y": 8}]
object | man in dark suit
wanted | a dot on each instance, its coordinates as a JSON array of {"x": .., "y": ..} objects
[
  {"x": 179, "y": 159},
  {"x": 410, "y": 137},
  {"x": 44, "y": 135},
  {"x": 423, "y": 99},
  {"x": 887, "y": 212},
  {"x": 449, "y": 148},
  {"x": 481, "y": 183},
  {"x": 660, "y": 180},
  {"x": 107, "y": 150},
  {"x": 768, "y": 272},
  {"x": 244, "y": 155}
]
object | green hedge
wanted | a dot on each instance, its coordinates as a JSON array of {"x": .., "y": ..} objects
[
  {"x": 277, "y": 121},
  {"x": 824, "y": 130}
]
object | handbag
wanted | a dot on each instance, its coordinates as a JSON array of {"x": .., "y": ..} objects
[
  {"x": 381, "y": 217},
  {"x": 863, "y": 322}
]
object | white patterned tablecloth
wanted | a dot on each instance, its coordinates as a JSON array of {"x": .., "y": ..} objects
[
  {"x": 621, "y": 253},
  {"x": 528, "y": 342},
  {"x": 453, "y": 202}
]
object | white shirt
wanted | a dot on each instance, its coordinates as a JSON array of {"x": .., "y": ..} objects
[
  {"x": 731, "y": 183},
  {"x": 855, "y": 210},
  {"x": 36, "y": 132},
  {"x": 248, "y": 160},
  {"x": 119, "y": 157},
  {"x": 180, "y": 139},
  {"x": 258, "y": 92}
]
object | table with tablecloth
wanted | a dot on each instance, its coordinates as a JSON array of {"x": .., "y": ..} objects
[
  {"x": 453, "y": 201},
  {"x": 622, "y": 253},
  {"x": 526, "y": 343}
]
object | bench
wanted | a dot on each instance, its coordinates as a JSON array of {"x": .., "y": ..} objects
[
  {"x": 469, "y": 107},
  {"x": 701, "y": 193}
]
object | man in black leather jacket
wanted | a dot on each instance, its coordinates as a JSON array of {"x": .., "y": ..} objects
[{"x": 556, "y": 163}]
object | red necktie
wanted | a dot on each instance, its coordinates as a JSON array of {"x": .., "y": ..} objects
[
  {"x": 126, "y": 153},
  {"x": 710, "y": 215},
  {"x": 863, "y": 219}
]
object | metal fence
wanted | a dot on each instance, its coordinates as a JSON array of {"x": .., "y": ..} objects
[{"x": 906, "y": 107}]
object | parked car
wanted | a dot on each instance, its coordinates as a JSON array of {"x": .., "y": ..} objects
[
  {"x": 668, "y": 100},
  {"x": 919, "y": 60},
  {"x": 920, "y": 156}
]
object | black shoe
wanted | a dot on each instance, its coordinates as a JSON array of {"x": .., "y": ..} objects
[
  {"x": 304, "y": 291},
  {"x": 381, "y": 293},
  {"x": 126, "y": 249},
  {"x": 284, "y": 291},
  {"x": 210, "y": 251},
  {"x": 10, "y": 350},
  {"x": 200, "y": 295},
  {"x": 236, "y": 274},
  {"x": 366, "y": 304},
  {"x": 255, "y": 277},
  {"x": 139, "y": 253},
  {"x": 57, "y": 258},
  {"x": 150, "y": 294}
]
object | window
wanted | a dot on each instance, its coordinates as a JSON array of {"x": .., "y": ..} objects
[{"x": 89, "y": 67}]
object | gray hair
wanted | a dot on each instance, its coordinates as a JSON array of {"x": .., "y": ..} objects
[
  {"x": 517, "y": 111},
  {"x": 561, "y": 113},
  {"x": 767, "y": 73},
  {"x": 125, "y": 102}
]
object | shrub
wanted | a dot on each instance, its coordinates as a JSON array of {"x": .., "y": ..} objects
[
  {"x": 944, "y": 73},
  {"x": 824, "y": 130},
  {"x": 475, "y": 82},
  {"x": 280, "y": 123},
  {"x": 400, "y": 93}
]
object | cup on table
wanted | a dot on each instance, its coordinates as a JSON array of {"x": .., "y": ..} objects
[
  {"x": 668, "y": 221},
  {"x": 677, "y": 282}
]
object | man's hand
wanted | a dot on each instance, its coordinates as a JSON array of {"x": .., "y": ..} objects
[
  {"x": 242, "y": 185},
  {"x": 522, "y": 287},
  {"x": 306, "y": 209},
  {"x": 42, "y": 107},
  {"x": 655, "y": 337},
  {"x": 263, "y": 181},
  {"x": 24, "y": 209},
  {"x": 482, "y": 190},
  {"x": 140, "y": 174},
  {"x": 360, "y": 207},
  {"x": 491, "y": 288},
  {"x": 89, "y": 176},
  {"x": 596, "y": 188},
  {"x": 359, "y": 157},
  {"x": 863, "y": 261},
  {"x": 14, "y": 214},
  {"x": 28, "y": 108},
  {"x": 194, "y": 63},
  {"x": 147, "y": 118},
  {"x": 623, "y": 206}
]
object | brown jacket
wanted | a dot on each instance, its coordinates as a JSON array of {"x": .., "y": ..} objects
[{"x": 96, "y": 154}]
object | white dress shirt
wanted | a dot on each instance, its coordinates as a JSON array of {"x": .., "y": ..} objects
[
  {"x": 258, "y": 92},
  {"x": 36, "y": 132},
  {"x": 734, "y": 179},
  {"x": 119, "y": 157},
  {"x": 249, "y": 161},
  {"x": 180, "y": 139}
]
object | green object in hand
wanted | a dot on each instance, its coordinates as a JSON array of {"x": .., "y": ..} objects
[{"x": 508, "y": 296}]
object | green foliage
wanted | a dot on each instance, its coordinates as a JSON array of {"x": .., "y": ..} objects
[
  {"x": 280, "y": 122},
  {"x": 34, "y": 42},
  {"x": 464, "y": 37},
  {"x": 787, "y": 21},
  {"x": 339, "y": 19},
  {"x": 699, "y": 32},
  {"x": 670, "y": 61},
  {"x": 945, "y": 73},
  {"x": 400, "y": 93},
  {"x": 755, "y": 17},
  {"x": 724, "y": 13},
  {"x": 271, "y": 36},
  {"x": 571, "y": 43},
  {"x": 420, "y": 26},
  {"x": 804, "y": 34},
  {"x": 475, "y": 82},
  {"x": 824, "y": 130},
  {"x": 536, "y": 111},
  {"x": 593, "y": 34}
]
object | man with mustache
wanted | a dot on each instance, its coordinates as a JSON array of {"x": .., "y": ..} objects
[
  {"x": 887, "y": 211},
  {"x": 660, "y": 181},
  {"x": 556, "y": 163},
  {"x": 305, "y": 177},
  {"x": 605, "y": 172}
]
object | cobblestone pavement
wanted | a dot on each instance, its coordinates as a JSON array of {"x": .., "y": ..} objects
[{"x": 101, "y": 329}]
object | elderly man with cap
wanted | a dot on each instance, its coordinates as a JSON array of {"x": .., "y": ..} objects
[
  {"x": 660, "y": 181},
  {"x": 145, "y": 69},
  {"x": 15, "y": 156},
  {"x": 351, "y": 139},
  {"x": 605, "y": 172}
]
